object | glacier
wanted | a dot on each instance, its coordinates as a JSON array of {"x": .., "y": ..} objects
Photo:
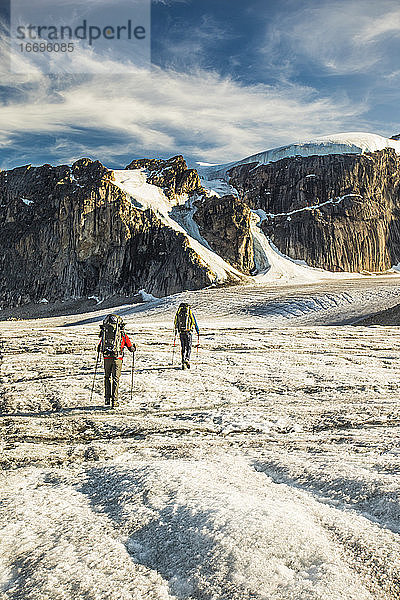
[{"x": 340, "y": 143}]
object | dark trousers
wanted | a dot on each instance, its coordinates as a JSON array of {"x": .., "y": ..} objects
[
  {"x": 186, "y": 345},
  {"x": 112, "y": 373}
]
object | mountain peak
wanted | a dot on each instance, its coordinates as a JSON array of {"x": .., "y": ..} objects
[{"x": 339, "y": 143}]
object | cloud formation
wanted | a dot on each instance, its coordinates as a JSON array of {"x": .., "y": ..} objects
[
  {"x": 341, "y": 37},
  {"x": 197, "y": 111},
  {"x": 204, "y": 115}
]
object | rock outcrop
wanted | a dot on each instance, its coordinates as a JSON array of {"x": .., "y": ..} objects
[
  {"x": 70, "y": 232},
  {"x": 225, "y": 224},
  {"x": 172, "y": 175},
  {"x": 337, "y": 212}
]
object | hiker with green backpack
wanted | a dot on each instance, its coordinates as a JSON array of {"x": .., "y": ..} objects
[
  {"x": 113, "y": 340},
  {"x": 184, "y": 323}
]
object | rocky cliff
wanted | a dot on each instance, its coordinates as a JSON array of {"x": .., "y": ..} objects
[
  {"x": 70, "y": 232},
  {"x": 225, "y": 224},
  {"x": 337, "y": 212},
  {"x": 172, "y": 176}
]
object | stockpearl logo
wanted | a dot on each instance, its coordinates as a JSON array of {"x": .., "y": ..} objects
[{"x": 73, "y": 38}]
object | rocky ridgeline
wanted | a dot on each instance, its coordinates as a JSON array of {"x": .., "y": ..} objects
[
  {"x": 337, "y": 212},
  {"x": 172, "y": 175},
  {"x": 223, "y": 222},
  {"x": 69, "y": 232}
]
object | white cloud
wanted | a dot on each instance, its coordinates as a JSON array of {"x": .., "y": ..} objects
[
  {"x": 200, "y": 114},
  {"x": 194, "y": 47},
  {"x": 393, "y": 75},
  {"x": 388, "y": 23},
  {"x": 169, "y": 2},
  {"x": 342, "y": 37}
]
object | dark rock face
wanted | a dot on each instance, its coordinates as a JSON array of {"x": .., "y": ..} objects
[
  {"x": 69, "y": 232},
  {"x": 171, "y": 175},
  {"x": 225, "y": 224},
  {"x": 345, "y": 209}
]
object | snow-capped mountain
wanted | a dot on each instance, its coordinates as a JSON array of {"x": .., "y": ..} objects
[
  {"x": 340, "y": 143},
  {"x": 332, "y": 201},
  {"x": 278, "y": 216}
]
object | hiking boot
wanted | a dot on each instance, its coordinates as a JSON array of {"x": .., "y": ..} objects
[
  {"x": 115, "y": 403},
  {"x": 107, "y": 402},
  {"x": 183, "y": 366},
  {"x": 188, "y": 364}
]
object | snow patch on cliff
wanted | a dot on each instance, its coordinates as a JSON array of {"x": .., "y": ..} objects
[
  {"x": 147, "y": 297},
  {"x": 218, "y": 187},
  {"x": 336, "y": 200},
  {"x": 145, "y": 196},
  {"x": 272, "y": 265}
]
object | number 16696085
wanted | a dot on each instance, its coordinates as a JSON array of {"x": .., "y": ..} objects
[{"x": 46, "y": 47}]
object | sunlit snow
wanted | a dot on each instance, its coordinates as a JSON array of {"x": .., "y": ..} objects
[
  {"x": 270, "y": 470},
  {"x": 341, "y": 143},
  {"x": 145, "y": 195}
]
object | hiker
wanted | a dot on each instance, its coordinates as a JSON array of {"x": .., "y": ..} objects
[
  {"x": 184, "y": 323},
  {"x": 112, "y": 343}
]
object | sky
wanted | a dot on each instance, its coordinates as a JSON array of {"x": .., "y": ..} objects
[{"x": 227, "y": 79}]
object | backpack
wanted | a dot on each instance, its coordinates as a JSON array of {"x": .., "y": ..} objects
[
  {"x": 184, "y": 320},
  {"x": 112, "y": 331}
]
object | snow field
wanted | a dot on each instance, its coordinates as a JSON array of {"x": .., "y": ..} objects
[
  {"x": 219, "y": 529},
  {"x": 55, "y": 547},
  {"x": 280, "y": 301},
  {"x": 269, "y": 471}
]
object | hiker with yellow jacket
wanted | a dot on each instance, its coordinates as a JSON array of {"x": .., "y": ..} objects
[{"x": 184, "y": 323}]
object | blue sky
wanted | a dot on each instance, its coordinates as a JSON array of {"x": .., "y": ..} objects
[{"x": 228, "y": 79}]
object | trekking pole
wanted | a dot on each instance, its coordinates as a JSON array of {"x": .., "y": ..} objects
[
  {"x": 198, "y": 344},
  {"x": 133, "y": 366},
  {"x": 173, "y": 349},
  {"x": 95, "y": 371}
]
